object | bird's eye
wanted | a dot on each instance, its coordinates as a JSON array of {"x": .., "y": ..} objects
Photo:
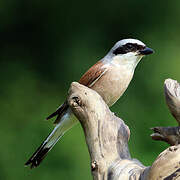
[{"x": 129, "y": 47}]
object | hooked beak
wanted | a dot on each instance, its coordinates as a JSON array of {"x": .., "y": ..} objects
[{"x": 146, "y": 51}]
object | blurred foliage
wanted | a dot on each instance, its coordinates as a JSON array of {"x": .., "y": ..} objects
[{"x": 45, "y": 45}]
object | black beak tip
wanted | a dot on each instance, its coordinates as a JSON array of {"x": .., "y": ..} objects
[{"x": 146, "y": 51}]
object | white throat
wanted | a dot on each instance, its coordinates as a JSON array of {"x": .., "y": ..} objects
[{"x": 129, "y": 61}]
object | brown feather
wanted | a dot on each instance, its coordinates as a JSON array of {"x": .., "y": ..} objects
[{"x": 92, "y": 74}]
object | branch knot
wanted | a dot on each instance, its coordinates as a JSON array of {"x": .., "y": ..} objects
[
  {"x": 94, "y": 166},
  {"x": 75, "y": 101}
]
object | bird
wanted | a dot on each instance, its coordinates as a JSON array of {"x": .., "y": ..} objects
[{"x": 109, "y": 77}]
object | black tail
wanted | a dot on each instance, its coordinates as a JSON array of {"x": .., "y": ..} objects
[
  {"x": 51, "y": 140},
  {"x": 38, "y": 156},
  {"x": 59, "y": 112},
  {"x": 45, "y": 147}
]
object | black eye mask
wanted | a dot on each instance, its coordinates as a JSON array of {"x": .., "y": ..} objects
[{"x": 129, "y": 47}]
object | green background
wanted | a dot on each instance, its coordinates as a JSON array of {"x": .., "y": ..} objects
[{"x": 45, "y": 45}]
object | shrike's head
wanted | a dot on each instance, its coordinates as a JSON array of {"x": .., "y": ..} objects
[{"x": 128, "y": 51}]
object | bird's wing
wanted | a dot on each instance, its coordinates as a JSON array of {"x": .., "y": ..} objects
[
  {"x": 88, "y": 79},
  {"x": 93, "y": 74}
]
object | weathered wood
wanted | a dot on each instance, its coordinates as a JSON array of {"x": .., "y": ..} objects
[
  {"x": 107, "y": 140},
  {"x": 166, "y": 166},
  {"x": 172, "y": 96},
  {"x": 171, "y": 135}
]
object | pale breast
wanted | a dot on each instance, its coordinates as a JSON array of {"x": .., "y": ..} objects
[{"x": 113, "y": 83}]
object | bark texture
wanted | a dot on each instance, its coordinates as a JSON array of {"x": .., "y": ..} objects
[{"x": 107, "y": 140}]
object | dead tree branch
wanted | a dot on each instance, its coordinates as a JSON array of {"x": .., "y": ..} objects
[
  {"x": 171, "y": 135},
  {"x": 107, "y": 140}
]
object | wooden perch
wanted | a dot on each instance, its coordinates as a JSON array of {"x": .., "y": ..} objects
[
  {"x": 107, "y": 140},
  {"x": 172, "y": 95},
  {"x": 171, "y": 135}
]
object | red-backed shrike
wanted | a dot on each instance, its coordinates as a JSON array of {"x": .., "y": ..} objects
[{"x": 109, "y": 77}]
